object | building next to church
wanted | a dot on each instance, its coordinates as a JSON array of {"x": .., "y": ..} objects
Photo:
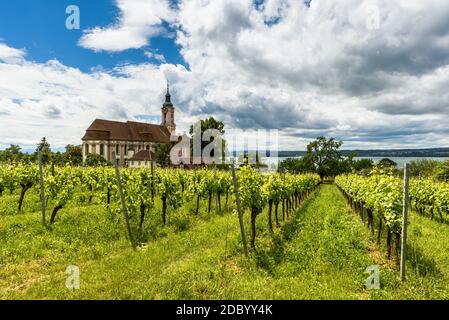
[{"x": 132, "y": 142}]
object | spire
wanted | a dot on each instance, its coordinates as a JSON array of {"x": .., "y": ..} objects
[{"x": 168, "y": 96}]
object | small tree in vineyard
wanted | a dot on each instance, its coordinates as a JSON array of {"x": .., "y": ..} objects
[{"x": 252, "y": 196}]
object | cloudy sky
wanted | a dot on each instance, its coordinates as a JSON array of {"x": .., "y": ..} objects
[{"x": 373, "y": 73}]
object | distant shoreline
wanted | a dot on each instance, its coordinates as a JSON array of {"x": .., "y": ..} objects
[{"x": 397, "y": 153}]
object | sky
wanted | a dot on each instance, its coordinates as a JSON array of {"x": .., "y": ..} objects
[{"x": 373, "y": 73}]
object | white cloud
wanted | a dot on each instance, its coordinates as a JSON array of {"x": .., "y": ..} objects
[
  {"x": 11, "y": 55},
  {"x": 323, "y": 70},
  {"x": 327, "y": 69},
  {"x": 139, "y": 20},
  {"x": 157, "y": 56},
  {"x": 60, "y": 102}
]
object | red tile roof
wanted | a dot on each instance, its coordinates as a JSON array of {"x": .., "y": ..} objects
[
  {"x": 126, "y": 131},
  {"x": 143, "y": 155}
]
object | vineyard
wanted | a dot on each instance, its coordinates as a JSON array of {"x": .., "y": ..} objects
[
  {"x": 187, "y": 239},
  {"x": 171, "y": 187},
  {"x": 379, "y": 199}
]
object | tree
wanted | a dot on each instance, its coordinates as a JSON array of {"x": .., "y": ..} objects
[
  {"x": 11, "y": 154},
  {"x": 387, "y": 163},
  {"x": 297, "y": 165},
  {"x": 443, "y": 171},
  {"x": 423, "y": 168},
  {"x": 207, "y": 124},
  {"x": 343, "y": 166},
  {"x": 363, "y": 165},
  {"x": 95, "y": 160},
  {"x": 58, "y": 158},
  {"x": 73, "y": 154},
  {"x": 44, "y": 148},
  {"x": 163, "y": 153},
  {"x": 325, "y": 156}
]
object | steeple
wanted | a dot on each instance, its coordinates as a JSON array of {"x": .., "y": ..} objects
[
  {"x": 168, "y": 112},
  {"x": 167, "y": 102}
]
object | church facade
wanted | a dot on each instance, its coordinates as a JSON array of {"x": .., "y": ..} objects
[{"x": 133, "y": 143}]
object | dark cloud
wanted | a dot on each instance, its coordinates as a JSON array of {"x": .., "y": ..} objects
[
  {"x": 423, "y": 104},
  {"x": 255, "y": 111},
  {"x": 119, "y": 112},
  {"x": 53, "y": 112}
]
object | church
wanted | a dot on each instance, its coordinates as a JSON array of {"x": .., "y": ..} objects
[{"x": 133, "y": 142}]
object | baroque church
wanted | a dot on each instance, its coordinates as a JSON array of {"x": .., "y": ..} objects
[{"x": 132, "y": 142}]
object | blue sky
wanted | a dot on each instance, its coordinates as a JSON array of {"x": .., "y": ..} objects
[
  {"x": 38, "y": 26},
  {"x": 373, "y": 73}
]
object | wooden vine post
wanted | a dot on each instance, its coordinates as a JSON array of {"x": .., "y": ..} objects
[
  {"x": 152, "y": 182},
  {"x": 239, "y": 209},
  {"x": 122, "y": 197},
  {"x": 216, "y": 192},
  {"x": 41, "y": 180},
  {"x": 404, "y": 223}
]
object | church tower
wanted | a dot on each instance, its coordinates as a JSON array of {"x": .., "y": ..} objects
[{"x": 168, "y": 112}]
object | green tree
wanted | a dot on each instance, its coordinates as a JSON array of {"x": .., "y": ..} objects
[
  {"x": 57, "y": 158},
  {"x": 387, "y": 163},
  {"x": 44, "y": 148},
  {"x": 363, "y": 165},
  {"x": 14, "y": 150},
  {"x": 163, "y": 154},
  {"x": 12, "y": 154},
  {"x": 297, "y": 165},
  {"x": 325, "y": 155},
  {"x": 73, "y": 154},
  {"x": 95, "y": 160},
  {"x": 210, "y": 123},
  {"x": 423, "y": 168},
  {"x": 443, "y": 171}
]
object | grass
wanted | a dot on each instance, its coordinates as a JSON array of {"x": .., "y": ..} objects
[{"x": 320, "y": 252}]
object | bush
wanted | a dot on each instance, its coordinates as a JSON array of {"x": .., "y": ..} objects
[
  {"x": 95, "y": 160},
  {"x": 423, "y": 168},
  {"x": 386, "y": 163},
  {"x": 443, "y": 171},
  {"x": 363, "y": 165}
]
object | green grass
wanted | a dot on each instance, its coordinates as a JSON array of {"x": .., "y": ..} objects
[{"x": 320, "y": 252}]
